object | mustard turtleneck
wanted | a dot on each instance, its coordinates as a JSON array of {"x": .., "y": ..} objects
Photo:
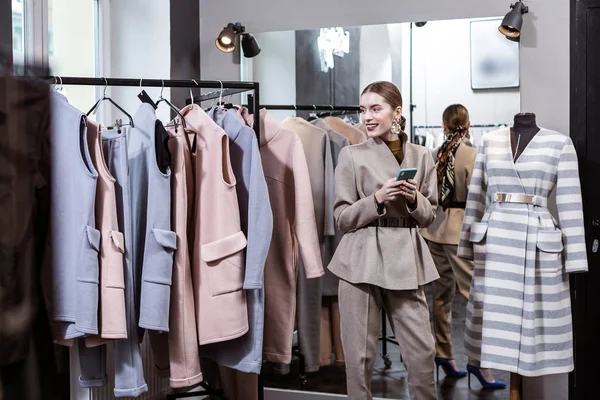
[{"x": 395, "y": 147}]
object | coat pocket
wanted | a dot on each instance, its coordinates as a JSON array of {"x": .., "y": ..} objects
[
  {"x": 115, "y": 277},
  {"x": 86, "y": 315},
  {"x": 478, "y": 232},
  {"x": 157, "y": 271},
  {"x": 550, "y": 246},
  {"x": 225, "y": 261}
]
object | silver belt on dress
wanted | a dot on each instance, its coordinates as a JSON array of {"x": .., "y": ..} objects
[{"x": 521, "y": 198}]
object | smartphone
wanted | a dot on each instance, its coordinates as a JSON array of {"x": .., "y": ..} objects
[{"x": 406, "y": 173}]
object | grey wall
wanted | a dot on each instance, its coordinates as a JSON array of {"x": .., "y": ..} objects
[
  {"x": 544, "y": 53},
  {"x": 185, "y": 46}
]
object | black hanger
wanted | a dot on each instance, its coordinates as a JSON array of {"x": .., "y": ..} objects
[
  {"x": 171, "y": 106},
  {"x": 104, "y": 97},
  {"x": 144, "y": 98},
  {"x": 313, "y": 115}
]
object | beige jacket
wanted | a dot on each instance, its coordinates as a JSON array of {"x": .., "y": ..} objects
[
  {"x": 447, "y": 225},
  {"x": 391, "y": 258},
  {"x": 353, "y": 134},
  {"x": 112, "y": 322}
]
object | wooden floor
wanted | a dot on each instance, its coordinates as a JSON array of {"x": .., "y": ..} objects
[{"x": 392, "y": 383}]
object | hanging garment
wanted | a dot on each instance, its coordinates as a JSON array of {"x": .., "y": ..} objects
[
  {"x": 112, "y": 323},
  {"x": 294, "y": 232},
  {"x": 219, "y": 243},
  {"x": 330, "y": 322},
  {"x": 317, "y": 151},
  {"x": 153, "y": 241},
  {"x": 337, "y": 142},
  {"x": 519, "y": 311},
  {"x": 353, "y": 134},
  {"x": 182, "y": 346},
  {"x": 245, "y": 353},
  {"x": 75, "y": 240},
  {"x": 129, "y": 370}
]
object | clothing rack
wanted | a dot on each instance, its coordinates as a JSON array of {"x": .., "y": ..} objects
[{"x": 231, "y": 87}]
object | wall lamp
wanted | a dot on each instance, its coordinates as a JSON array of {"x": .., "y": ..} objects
[
  {"x": 513, "y": 21},
  {"x": 226, "y": 40}
]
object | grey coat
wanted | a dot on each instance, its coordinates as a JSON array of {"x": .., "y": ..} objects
[
  {"x": 391, "y": 258},
  {"x": 519, "y": 312},
  {"x": 75, "y": 240}
]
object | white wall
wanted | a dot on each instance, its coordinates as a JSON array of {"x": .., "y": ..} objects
[
  {"x": 544, "y": 55},
  {"x": 375, "y": 55},
  {"x": 545, "y": 62},
  {"x": 139, "y": 48},
  {"x": 277, "y": 66},
  {"x": 442, "y": 76}
]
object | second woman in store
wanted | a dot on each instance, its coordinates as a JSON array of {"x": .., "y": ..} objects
[
  {"x": 454, "y": 167},
  {"x": 382, "y": 260}
]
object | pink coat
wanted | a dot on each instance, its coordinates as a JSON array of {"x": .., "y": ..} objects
[
  {"x": 111, "y": 322},
  {"x": 219, "y": 243},
  {"x": 294, "y": 232}
]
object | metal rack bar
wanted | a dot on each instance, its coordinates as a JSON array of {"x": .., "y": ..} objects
[
  {"x": 215, "y": 95},
  {"x": 309, "y": 107},
  {"x": 187, "y": 83},
  {"x": 472, "y": 126}
]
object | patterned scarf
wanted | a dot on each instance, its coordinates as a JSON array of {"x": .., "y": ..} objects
[{"x": 445, "y": 165}]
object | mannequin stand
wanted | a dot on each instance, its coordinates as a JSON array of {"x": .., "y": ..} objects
[{"x": 515, "y": 386}]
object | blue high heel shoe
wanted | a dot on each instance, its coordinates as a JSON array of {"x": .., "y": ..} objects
[
  {"x": 448, "y": 369},
  {"x": 485, "y": 384}
]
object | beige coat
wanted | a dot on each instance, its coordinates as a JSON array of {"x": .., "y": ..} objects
[
  {"x": 294, "y": 233},
  {"x": 219, "y": 243},
  {"x": 111, "y": 321},
  {"x": 353, "y": 134},
  {"x": 447, "y": 225},
  {"x": 391, "y": 258}
]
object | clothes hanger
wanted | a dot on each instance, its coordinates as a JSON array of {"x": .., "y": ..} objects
[
  {"x": 104, "y": 97},
  {"x": 144, "y": 98},
  {"x": 313, "y": 115},
  {"x": 171, "y": 106}
]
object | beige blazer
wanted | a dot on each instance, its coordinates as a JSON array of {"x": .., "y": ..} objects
[
  {"x": 447, "y": 225},
  {"x": 112, "y": 322},
  {"x": 354, "y": 135},
  {"x": 219, "y": 243},
  {"x": 391, "y": 258}
]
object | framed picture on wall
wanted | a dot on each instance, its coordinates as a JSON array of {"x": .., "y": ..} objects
[{"x": 494, "y": 59}]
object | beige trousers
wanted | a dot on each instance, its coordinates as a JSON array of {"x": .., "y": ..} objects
[
  {"x": 454, "y": 272},
  {"x": 407, "y": 311},
  {"x": 331, "y": 339}
]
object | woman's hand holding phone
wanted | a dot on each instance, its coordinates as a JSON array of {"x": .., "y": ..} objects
[{"x": 392, "y": 189}]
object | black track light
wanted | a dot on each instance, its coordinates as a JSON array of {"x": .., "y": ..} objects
[
  {"x": 513, "y": 21},
  {"x": 226, "y": 40}
]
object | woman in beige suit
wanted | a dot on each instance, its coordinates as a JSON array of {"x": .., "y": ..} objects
[
  {"x": 382, "y": 260},
  {"x": 454, "y": 167}
]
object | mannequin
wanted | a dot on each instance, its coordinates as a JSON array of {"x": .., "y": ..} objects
[{"x": 523, "y": 130}]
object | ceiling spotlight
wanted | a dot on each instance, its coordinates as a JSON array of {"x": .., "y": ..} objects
[
  {"x": 513, "y": 21},
  {"x": 226, "y": 40}
]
